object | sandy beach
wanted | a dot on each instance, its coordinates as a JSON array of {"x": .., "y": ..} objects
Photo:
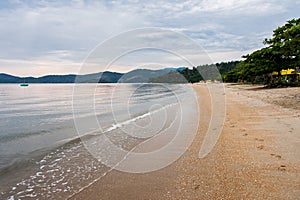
[{"x": 257, "y": 155}]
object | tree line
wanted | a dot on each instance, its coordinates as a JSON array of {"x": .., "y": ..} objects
[{"x": 186, "y": 75}]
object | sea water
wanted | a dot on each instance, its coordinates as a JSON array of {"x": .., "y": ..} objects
[{"x": 45, "y": 129}]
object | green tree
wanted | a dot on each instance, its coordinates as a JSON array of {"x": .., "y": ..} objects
[
  {"x": 282, "y": 52},
  {"x": 285, "y": 44}
]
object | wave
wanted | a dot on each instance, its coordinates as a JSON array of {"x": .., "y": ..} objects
[
  {"x": 59, "y": 145},
  {"x": 8, "y": 138},
  {"x": 23, "y": 159},
  {"x": 126, "y": 122}
]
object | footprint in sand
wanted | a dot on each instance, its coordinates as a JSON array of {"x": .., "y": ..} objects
[
  {"x": 282, "y": 168},
  {"x": 245, "y": 134},
  {"x": 261, "y": 147},
  {"x": 276, "y": 155},
  {"x": 260, "y": 140}
]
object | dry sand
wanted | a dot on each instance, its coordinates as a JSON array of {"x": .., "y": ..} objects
[{"x": 257, "y": 155}]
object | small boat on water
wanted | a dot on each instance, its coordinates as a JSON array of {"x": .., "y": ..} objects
[{"x": 24, "y": 84}]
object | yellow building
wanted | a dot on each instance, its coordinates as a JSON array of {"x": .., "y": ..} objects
[
  {"x": 288, "y": 72},
  {"x": 285, "y": 72}
]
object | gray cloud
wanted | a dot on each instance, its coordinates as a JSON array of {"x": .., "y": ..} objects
[{"x": 38, "y": 34}]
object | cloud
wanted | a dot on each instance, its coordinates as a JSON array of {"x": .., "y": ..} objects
[
  {"x": 59, "y": 32},
  {"x": 38, "y": 68},
  {"x": 236, "y": 7},
  {"x": 43, "y": 28}
]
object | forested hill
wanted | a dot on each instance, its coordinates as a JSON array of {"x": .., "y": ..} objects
[
  {"x": 166, "y": 75},
  {"x": 134, "y": 76},
  {"x": 106, "y": 77},
  {"x": 194, "y": 75}
]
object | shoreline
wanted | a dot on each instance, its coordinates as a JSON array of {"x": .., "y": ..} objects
[{"x": 256, "y": 157}]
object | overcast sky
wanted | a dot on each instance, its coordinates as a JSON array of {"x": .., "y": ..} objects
[{"x": 55, "y": 37}]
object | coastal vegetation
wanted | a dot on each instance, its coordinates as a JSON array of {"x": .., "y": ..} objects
[
  {"x": 196, "y": 74},
  {"x": 275, "y": 65}
]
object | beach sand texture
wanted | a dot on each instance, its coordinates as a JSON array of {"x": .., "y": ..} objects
[{"x": 257, "y": 155}]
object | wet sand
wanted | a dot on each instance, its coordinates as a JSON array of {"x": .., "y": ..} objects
[{"x": 257, "y": 155}]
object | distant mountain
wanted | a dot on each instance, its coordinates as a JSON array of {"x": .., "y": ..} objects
[
  {"x": 6, "y": 78},
  {"x": 141, "y": 75},
  {"x": 134, "y": 76},
  {"x": 52, "y": 79},
  {"x": 172, "y": 76},
  {"x": 102, "y": 77},
  {"x": 174, "y": 69}
]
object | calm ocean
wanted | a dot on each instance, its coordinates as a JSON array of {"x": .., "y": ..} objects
[{"x": 42, "y": 155}]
